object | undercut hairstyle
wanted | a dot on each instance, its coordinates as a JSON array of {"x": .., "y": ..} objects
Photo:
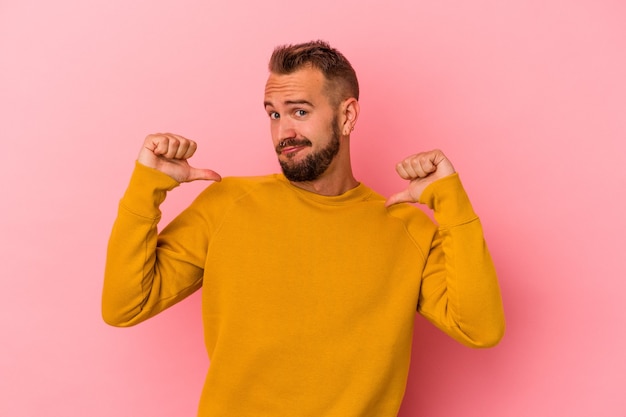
[{"x": 341, "y": 82}]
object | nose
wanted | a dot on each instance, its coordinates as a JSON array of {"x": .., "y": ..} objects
[{"x": 285, "y": 129}]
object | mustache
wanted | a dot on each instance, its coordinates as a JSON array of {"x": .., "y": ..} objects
[{"x": 292, "y": 142}]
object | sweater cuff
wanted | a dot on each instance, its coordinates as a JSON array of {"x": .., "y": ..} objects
[
  {"x": 449, "y": 201},
  {"x": 146, "y": 191}
]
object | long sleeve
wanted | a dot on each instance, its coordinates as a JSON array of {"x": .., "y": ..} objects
[
  {"x": 144, "y": 276},
  {"x": 460, "y": 292}
]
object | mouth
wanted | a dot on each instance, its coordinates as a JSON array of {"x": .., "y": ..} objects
[
  {"x": 289, "y": 147},
  {"x": 290, "y": 151}
]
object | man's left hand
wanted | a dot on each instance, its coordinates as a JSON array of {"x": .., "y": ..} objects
[{"x": 420, "y": 170}]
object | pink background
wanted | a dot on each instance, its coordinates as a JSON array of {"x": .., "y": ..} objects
[{"x": 528, "y": 99}]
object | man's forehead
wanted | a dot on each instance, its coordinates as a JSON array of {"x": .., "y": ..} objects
[{"x": 304, "y": 82}]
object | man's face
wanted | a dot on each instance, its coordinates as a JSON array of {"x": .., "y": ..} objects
[{"x": 304, "y": 126}]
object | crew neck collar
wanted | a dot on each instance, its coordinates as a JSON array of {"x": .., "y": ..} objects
[{"x": 359, "y": 193}]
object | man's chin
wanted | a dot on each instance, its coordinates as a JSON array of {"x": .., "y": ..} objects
[{"x": 298, "y": 172}]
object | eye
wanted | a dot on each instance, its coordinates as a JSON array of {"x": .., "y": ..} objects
[
  {"x": 301, "y": 113},
  {"x": 274, "y": 115}
]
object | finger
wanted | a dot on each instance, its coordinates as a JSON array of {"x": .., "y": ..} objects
[
  {"x": 415, "y": 168},
  {"x": 418, "y": 166},
  {"x": 401, "y": 197},
  {"x": 158, "y": 144},
  {"x": 410, "y": 169},
  {"x": 180, "y": 146},
  {"x": 423, "y": 165},
  {"x": 401, "y": 169},
  {"x": 164, "y": 144},
  {"x": 173, "y": 143},
  {"x": 181, "y": 151},
  {"x": 203, "y": 174},
  {"x": 190, "y": 150},
  {"x": 186, "y": 147}
]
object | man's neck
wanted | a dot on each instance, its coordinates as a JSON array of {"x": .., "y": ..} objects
[{"x": 327, "y": 187}]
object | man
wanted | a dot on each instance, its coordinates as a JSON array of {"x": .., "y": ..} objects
[{"x": 310, "y": 279}]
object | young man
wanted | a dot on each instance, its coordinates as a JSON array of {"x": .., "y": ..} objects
[{"x": 310, "y": 279}]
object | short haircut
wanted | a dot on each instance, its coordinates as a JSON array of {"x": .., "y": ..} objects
[{"x": 340, "y": 76}]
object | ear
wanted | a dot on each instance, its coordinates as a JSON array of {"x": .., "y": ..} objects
[{"x": 350, "y": 111}]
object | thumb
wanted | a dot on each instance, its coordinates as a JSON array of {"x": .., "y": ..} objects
[
  {"x": 401, "y": 197},
  {"x": 203, "y": 174}
]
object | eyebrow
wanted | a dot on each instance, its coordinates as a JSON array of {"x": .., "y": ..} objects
[{"x": 290, "y": 103}]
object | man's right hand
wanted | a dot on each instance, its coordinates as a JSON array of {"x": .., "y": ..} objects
[{"x": 168, "y": 153}]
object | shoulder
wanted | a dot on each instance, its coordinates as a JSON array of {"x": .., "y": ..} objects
[
  {"x": 412, "y": 218},
  {"x": 410, "y": 215},
  {"x": 418, "y": 226},
  {"x": 234, "y": 188}
]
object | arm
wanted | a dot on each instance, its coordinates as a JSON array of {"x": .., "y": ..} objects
[
  {"x": 459, "y": 292},
  {"x": 144, "y": 275}
]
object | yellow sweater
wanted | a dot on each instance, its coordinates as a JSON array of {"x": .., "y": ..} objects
[{"x": 308, "y": 301}]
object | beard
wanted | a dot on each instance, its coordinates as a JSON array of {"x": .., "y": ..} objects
[{"x": 316, "y": 163}]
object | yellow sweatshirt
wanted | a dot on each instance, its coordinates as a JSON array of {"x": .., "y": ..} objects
[{"x": 308, "y": 301}]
